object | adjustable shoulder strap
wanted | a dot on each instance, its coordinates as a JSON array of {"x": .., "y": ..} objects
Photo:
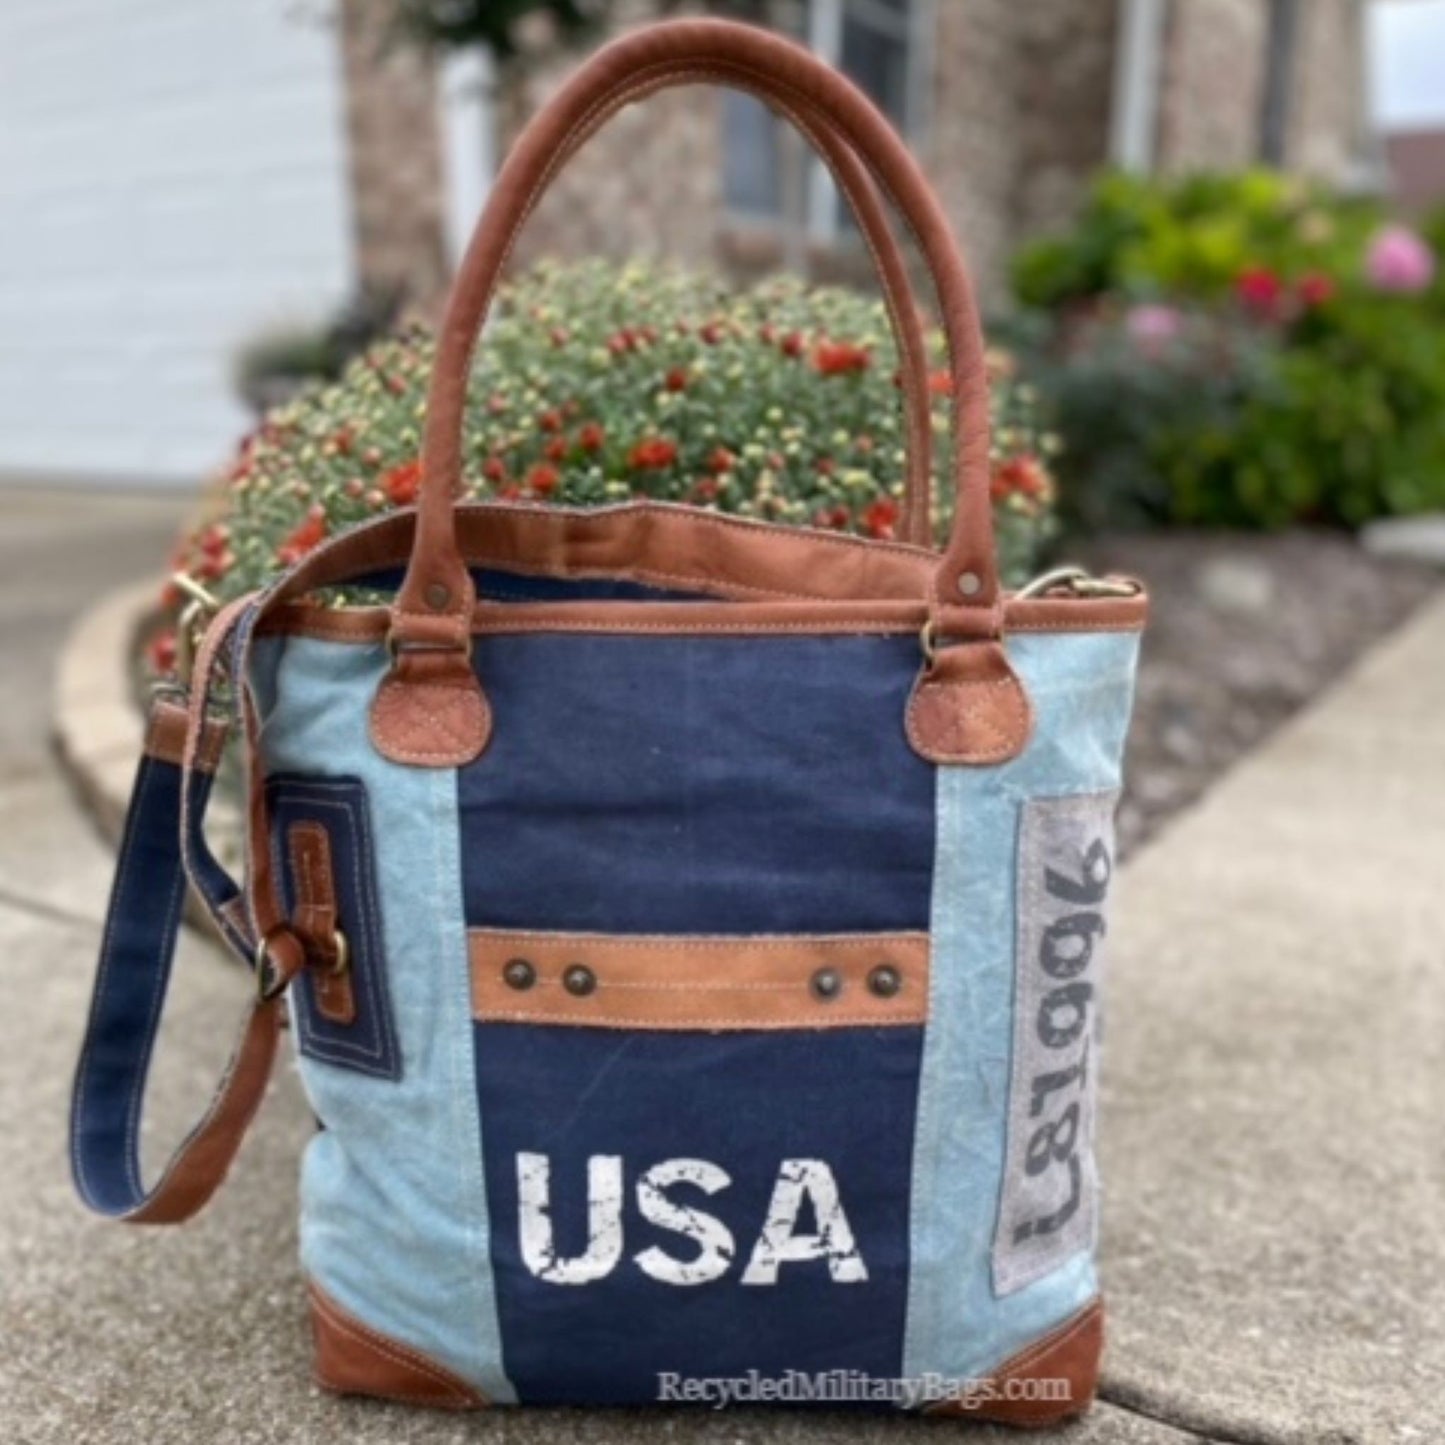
[{"x": 163, "y": 844}]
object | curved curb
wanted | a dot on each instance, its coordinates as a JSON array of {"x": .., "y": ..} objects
[{"x": 96, "y": 725}]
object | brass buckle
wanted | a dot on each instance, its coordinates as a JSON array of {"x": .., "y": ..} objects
[
  {"x": 267, "y": 986},
  {"x": 1080, "y": 583},
  {"x": 395, "y": 647},
  {"x": 201, "y": 607}
]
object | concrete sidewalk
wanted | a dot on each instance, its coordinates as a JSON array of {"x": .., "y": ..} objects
[{"x": 1273, "y": 1085}]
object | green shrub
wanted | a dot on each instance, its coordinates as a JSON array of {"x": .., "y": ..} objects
[
  {"x": 597, "y": 385},
  {"x": 1302, "y": 376}
]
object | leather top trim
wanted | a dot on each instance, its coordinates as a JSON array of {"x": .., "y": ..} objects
[{"x": 1032, "y": 614}]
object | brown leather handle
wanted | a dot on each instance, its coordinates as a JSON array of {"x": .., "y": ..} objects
[
  {"x": 433, "y": 609},
  {"x": 915, "y": 522}
]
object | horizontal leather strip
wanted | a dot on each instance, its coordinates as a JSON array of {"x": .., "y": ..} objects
[
  {"x": 708, "y": 983},
  {"x": 166, "y": 737},
  {"x": 1027, "y": 614}
]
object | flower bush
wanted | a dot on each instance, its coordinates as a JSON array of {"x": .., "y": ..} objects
[
  {"x": 596, "y": 385},
  {"x": 1247, "y": 350}
]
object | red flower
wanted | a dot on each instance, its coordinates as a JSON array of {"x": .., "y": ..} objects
[
  {"x": 1315, "y": 288},
  {"x": 550, "y": 421},
  {"x": 560, "y": 336},
  {"x": 705, "y": 489},
  {"x": 793, "y": 344},
  {"x": 1259, "y": 289},
  {"x": 652, "y": 455},
  {"x": 591, "y": 437},
  {"x": 940, "y": 383},
  {"x": 556, "y": 449},
  {"x": 825, "y": 466},
  {"x": 721, "y": 460},
  {"x": 1024, "y": 475},
  {"x": 621, "y": 342},
  {"x": 395, "y": 385},
  {"x": 494, "y": 469},
  {"x": 307, "y": 535},
  {"x": 341, "y": 440},
  {"x": 510, "y": 492},
  {"x": 840, "y": 358},
  {"x": 878, "y": 518},
  {"x": 711, "y": 333},
  {"x": 542, "y": 480},
  {"x": 402, "y": 483},
  {"x": 161, "y": 653},
  {"x": 676, "y": 379}
]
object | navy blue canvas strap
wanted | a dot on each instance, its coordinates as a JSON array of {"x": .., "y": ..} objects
[{"x": 162, "y": 847}]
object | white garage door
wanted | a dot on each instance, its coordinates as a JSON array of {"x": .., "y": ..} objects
[{"x": 172, "y": 178}]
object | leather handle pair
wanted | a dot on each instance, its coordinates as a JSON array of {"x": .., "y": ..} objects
[
  {"x": 855, "y": 182},
  {"x": 431, "y": 710}
]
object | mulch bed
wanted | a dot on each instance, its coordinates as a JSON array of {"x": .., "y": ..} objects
[{"x": 1244, "y": 630}]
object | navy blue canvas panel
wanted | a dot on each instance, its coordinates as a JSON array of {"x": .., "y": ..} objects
[
  {"x": 742, "y": 1103},
  {"x": 666, "y": 784},
  {"x": 368, "y": 1044}
]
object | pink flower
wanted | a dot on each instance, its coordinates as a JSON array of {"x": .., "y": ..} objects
[
  {"x": 1399, "y": 260},
  {"x": 1152, "y": 327}
]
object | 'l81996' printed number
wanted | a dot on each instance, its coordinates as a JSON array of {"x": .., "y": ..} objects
[{"x": 1047, "y": 1203}]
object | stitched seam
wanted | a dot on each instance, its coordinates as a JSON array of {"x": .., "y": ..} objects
[
  {"x": 688, "y": 1022},
  {"x": 1002, "y": 748},
  {"x": 100, "y": 1000},
  {"x": 703, "y": 942}
]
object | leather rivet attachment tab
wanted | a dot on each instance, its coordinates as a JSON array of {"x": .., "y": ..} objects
[
  {"x": 518, "y": 973},
  {"x": 885, "y": 981},
  {"x": 826, "y": 984},
  {"x": 438, "y": 594},
  {"x": 579, "y": 980},
  {"x": 970, "y": 584}
]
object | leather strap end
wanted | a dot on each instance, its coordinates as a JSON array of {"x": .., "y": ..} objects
[{"x": 969, "y": 707}]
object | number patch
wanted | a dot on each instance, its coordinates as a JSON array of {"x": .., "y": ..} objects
[{"x": 1047, "y": 1207}]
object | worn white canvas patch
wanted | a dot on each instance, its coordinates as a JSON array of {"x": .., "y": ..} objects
[{"x": 1048, "y": 1202}]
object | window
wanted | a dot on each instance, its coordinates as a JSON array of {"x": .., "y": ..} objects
[{"x": 766, "y": 177}]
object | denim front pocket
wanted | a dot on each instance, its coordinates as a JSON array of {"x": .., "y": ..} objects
[{"x": 367, "y": 1043}]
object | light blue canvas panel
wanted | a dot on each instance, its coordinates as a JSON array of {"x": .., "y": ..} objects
[
  {"x": 393, "y": 1199},
  {"x": 958, "y": 1327}
]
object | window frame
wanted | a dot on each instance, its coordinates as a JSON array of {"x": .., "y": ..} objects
[{"x": 820, "y": 24}]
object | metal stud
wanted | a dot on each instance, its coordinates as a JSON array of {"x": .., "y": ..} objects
[
  {"x": 579, "y": 980},
  {"x": 518, "y": 973},
  {"x": 885, "y": 981},
  {"x": 970, "y": 584},
  {"x": 826, "y": 984}
]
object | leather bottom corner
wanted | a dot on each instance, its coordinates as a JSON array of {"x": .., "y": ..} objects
[
  {"x": 1051, "y": 1381},
  {"x": 353, "y": 1359}
]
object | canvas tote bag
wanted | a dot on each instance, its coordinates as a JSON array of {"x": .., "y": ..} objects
[{"x": 690, "y": 928}]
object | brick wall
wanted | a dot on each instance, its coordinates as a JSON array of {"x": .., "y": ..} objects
[
  {"x": 1212, "y": 77},
  {"x": 1019, "y": 104},
  {"x": 648, "y": 183},
  {"x": 1325, "y": 129},
  {"x": 394, "y": 145}
]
